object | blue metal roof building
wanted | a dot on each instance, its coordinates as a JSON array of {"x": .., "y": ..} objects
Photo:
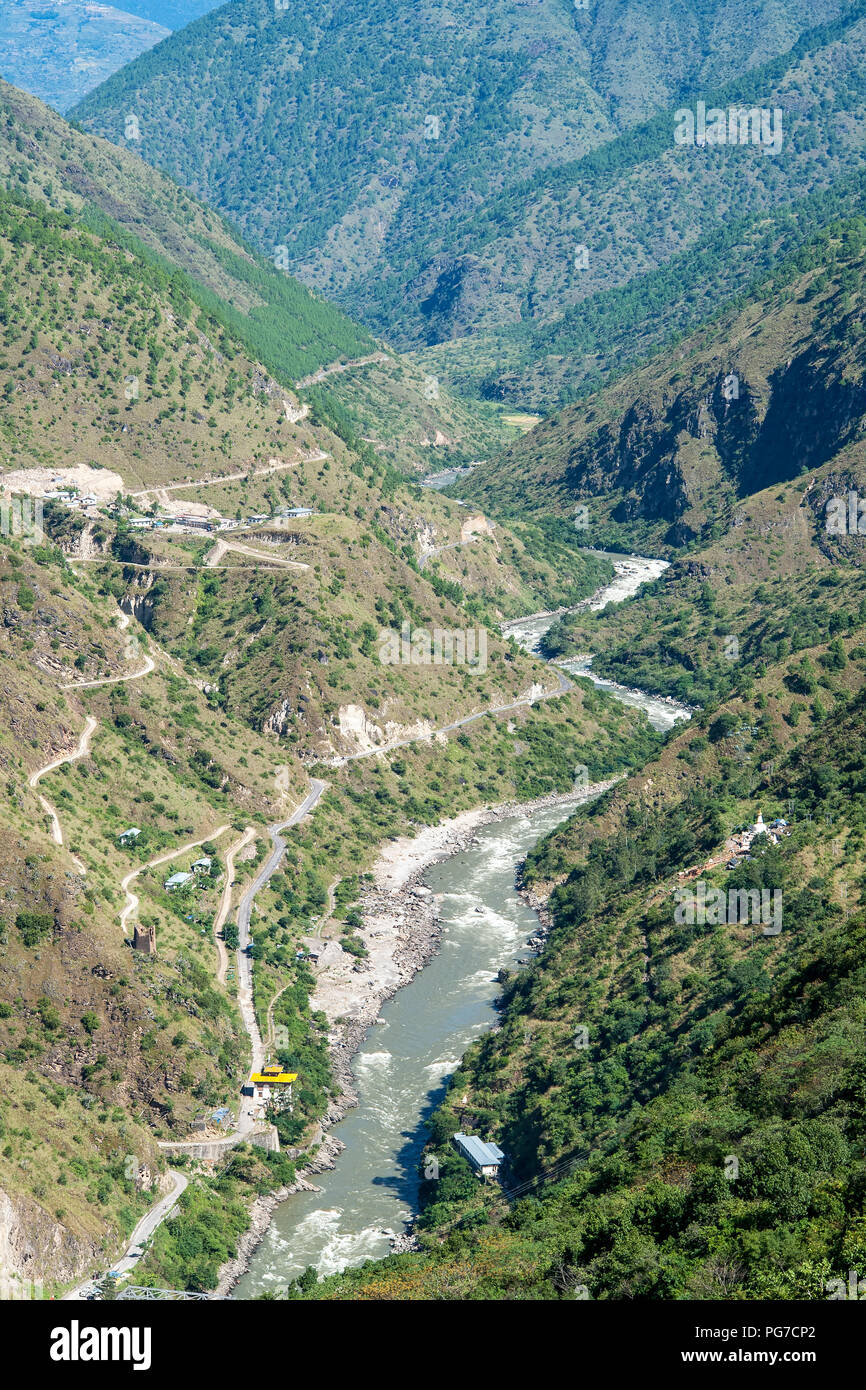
[{"x": 485, "y": 1158}]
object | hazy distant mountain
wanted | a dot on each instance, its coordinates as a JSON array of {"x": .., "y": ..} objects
[
  {"x": 174, "y": 14},
  {"x": 62, "y": 49}
]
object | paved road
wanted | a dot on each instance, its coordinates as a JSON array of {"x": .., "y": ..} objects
[
  {"x": 246, "y": 1120},
  {"x": 143, "y": 1231}
]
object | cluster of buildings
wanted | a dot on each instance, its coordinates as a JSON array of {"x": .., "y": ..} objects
[
  {"x": 213, "y": 523},
  {"x": 70, "y": 497},
  {"x": 199, "y": 523},
  {"x": 177, "y": 880},
  {"x": 741, "y": 841},
  {"x": 738, "y": 845}
]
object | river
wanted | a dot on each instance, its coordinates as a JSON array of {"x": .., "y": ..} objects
[
  {"x": 630, "y": 572},
  {"x": 404, "y": 1063}
]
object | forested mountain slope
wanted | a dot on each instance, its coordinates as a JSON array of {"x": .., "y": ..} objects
[
  {"x": 174, "y": 14},
  {"x": 680, "y": 1093},
  {"x": 664, "y": 457},
  {"x": 679, "y": 1090},
  {"x": 433, "y": 170},
  {"x": 296, "y": 334},
  {"x": 61, "y": 52}
]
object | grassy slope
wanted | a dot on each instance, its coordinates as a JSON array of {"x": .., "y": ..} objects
[
  {"x": 703, "y": 1043},
  {"x": 291, "y": 331},
  {"x": 79, "y": 1097},
  {"x": 662, "y": 457}
]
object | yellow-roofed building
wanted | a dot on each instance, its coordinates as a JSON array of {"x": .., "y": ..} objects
[{"x": 271, "y": 1081}]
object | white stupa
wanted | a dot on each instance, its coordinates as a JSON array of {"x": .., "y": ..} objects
[{"x": 759, "y": 827}]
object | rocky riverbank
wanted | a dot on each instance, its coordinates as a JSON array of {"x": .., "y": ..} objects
[{"x": 401, "y": 932}]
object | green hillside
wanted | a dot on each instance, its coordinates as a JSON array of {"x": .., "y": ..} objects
[
  {"x": 441, "y": 188},
  {"x": 680, "y": 1098},
  {"x": 662, "y": 458},
  {"x": 294, "y": 333},
  {"x": 681, "y": 1102},
  {"x": 182, "y": 682}
]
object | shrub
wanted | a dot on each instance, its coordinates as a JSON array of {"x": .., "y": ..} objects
[{"x": 34, "y": 926}]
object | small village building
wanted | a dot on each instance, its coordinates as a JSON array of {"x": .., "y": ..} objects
[
  {"x": 144, "y": 939},
  {"x": 485, "y": 1158},
  {"x": 128, "y": 836},
  {"x": 202, "y": 866},
  {"x": 271, "y": 1083},
  {"x": 176, "y": 881}
]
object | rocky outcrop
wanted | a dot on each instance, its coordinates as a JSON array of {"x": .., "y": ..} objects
[
  {"x": 361, "y": 733},
  {"x": 136, "y": 601},
  {"x": 34, "y": 1246}
]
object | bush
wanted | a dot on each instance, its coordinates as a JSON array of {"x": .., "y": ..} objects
[{"x": 34, "y": 926}]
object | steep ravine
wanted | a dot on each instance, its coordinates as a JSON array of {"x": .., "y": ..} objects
[{"x": 446, "y": 902}]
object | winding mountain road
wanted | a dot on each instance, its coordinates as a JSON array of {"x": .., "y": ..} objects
[
  {"x": 81, "y": 751},
  {"x": 226, "y": 900},
  {"x": 149, "y": 665},
  {"x": 145, "y": 1229},
  {"x": 214, "y": 556},
  {"x": 131, "y": 899},
  {"x": 246, "y": 1120},
  {"x": 316, "y": 456}
]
